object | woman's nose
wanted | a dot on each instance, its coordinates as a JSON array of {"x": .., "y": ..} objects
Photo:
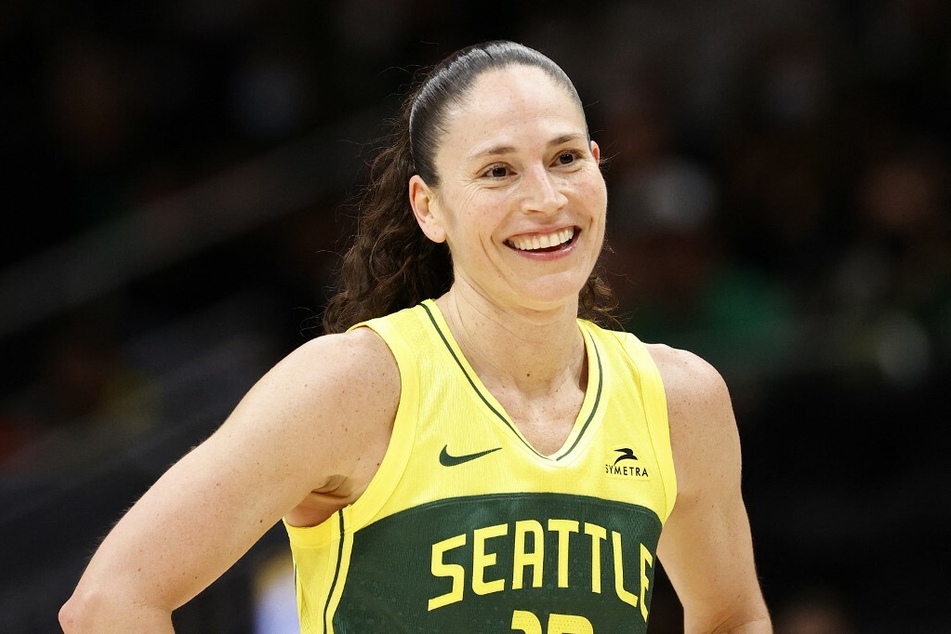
[{"x": 542, "y": 192}]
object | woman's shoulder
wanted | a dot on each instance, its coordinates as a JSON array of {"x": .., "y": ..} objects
[
  {"x": 700, "y": 412},
  {"x": 697, "y": 394},
  {"x": 358, "y": 343},
  {"x": 349, "y": 377},
  {"x": 686, "y": 374},
  {"x": 359, "y": 356}
]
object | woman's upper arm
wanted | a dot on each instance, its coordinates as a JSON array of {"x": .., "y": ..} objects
[
  {"x": 301, "y": 425},
  {"x": 706, "y": 547}
]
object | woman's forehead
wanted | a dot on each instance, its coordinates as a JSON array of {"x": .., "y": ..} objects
[
  {"x": 515, "y": 80},
  {"x": 516, "y": 92}
]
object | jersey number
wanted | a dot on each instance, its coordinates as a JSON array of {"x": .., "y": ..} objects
[{"x": 528, "y": 623}]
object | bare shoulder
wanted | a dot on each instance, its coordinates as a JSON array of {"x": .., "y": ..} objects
[
  {"x": 352, "y": 374},
  {"x": 359, "y": 357},
  {"x": 329, "y": 400},
  {"x": 689, "y": 380},
  {"x": 700, "y": 413}
]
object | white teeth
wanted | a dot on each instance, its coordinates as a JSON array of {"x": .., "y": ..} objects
[{"x": 543, "y": 241}]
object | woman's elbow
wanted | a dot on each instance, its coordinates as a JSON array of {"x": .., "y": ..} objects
[
  {"x": 77, "y": 614},
  {"x": 93, "y": 608}
]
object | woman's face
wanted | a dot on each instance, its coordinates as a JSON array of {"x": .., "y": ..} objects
[{"x": 521, "y": 200}]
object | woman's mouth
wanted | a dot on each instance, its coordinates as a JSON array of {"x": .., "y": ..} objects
[{"x": 543, "y": 242}]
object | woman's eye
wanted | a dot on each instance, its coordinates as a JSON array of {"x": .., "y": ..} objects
[
  {"x": 566, "y": 158},
  {"x": 498, "y": 171}
]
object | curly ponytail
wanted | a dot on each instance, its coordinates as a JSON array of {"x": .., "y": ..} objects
[{"x": 391, "y": 264}]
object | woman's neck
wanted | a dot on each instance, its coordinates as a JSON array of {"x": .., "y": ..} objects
[{"x": 533, "y": 351}]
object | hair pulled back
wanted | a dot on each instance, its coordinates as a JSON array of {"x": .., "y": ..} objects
[{"x": 391, "y": 264}]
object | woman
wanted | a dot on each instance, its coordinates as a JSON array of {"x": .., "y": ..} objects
[{"x": 461, "y": 452}]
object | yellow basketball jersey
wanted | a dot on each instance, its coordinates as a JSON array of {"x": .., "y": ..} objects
[{"x": 466, "y": 528}]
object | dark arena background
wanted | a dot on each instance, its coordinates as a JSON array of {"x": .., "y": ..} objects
[{"x": 175, "y": 179}]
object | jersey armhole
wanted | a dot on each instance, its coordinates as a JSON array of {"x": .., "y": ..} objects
[
  {"x": 381, "y": 486},
  {"x": 658, "y": 423},
  {"x": 402, "y": 437}
]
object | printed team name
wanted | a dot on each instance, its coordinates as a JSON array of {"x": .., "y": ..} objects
[{"x": 528, "y": 569}]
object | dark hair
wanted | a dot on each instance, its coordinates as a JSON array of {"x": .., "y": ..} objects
[{"x": 391, "y": 264}]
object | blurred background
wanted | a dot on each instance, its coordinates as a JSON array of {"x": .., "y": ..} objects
[{"x": 175, "y": 174}]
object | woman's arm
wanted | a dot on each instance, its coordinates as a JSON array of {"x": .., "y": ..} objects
[
  {"x": 314, "y": 419},
  {"x": 705, "y": 547}
]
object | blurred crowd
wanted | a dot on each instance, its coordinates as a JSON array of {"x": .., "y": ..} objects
[{"x": 177, "y": 178}]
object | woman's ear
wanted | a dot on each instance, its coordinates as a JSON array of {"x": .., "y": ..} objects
[
  {"x": 596, "y": 152},
  {"x": 423, "y": 200}
]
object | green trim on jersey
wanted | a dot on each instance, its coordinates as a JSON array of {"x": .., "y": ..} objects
[{"x": 336, "y": 577}]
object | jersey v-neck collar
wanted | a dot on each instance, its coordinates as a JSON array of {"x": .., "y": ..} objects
[{"x": 589, "y": 407}]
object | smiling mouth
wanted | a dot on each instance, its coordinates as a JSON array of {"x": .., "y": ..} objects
[{"x": 545, "y": 242}]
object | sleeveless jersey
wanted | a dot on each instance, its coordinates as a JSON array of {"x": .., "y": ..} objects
[{"x": 466, "y": 528}]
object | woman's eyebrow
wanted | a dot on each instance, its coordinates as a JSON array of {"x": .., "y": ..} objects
[
  {"x": 491, "y": 151},
  {"x": 495, "y": 150}
]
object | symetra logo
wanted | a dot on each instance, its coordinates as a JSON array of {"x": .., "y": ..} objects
[
  {"x": 621, "y": 469},
  {"x": 448, "y": 460},
  {"x": 626, "y": 454}
]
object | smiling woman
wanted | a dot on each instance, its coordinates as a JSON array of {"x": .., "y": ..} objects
[
  {"x": 446, "y": 457},
  {"x": 515, "y": 175},
  {"x": 391, "y": 264}
]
